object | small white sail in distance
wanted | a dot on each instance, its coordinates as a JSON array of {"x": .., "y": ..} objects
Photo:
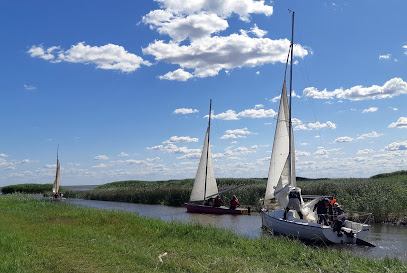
[
  {"x": 278, "y": 176},
  {"x": 55, "y": 187}
]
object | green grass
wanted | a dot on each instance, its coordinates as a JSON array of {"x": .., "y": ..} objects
[{"x": 43, "y": 236}]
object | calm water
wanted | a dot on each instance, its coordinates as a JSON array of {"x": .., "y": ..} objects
[{"x": 390, "y": 240}]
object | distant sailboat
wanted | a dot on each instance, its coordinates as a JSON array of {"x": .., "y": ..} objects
[
  {"x": 205, "y": 186},
  {"x": 55, "y": 187},
  {"x": 282, "y": 179}
]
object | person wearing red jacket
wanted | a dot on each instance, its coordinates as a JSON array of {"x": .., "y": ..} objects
[{"x": 234, "y": 203}]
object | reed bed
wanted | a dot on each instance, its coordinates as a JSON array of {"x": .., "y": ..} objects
[{"x": 43, "y": 236}]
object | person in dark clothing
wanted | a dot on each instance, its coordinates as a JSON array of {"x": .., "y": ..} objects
[
  {"x": 234, "y": 203},
  {"x": 322, "y": 208},
  {"x": 294, "y": 201},
  {"x": 218, "y": 201},
  {"x": 339, "y": 218}
]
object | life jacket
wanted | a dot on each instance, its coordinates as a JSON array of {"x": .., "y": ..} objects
[
  {"x": 218, "y": 202},
  {"x": 234, "y": 203}
]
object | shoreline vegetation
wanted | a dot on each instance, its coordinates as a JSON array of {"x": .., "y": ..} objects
[
  {"x": 383, "y": 195},
  {"x": 43, "y": 236}
]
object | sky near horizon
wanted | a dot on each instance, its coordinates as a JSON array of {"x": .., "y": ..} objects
[{"x": 123, "y": 87}]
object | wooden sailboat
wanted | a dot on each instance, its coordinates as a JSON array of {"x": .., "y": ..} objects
[
  {"x": 205, "y": 186},
  {"x": 282, "y": 178}
]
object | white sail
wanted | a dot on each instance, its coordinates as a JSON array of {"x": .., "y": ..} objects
[
  {"x": 55, "y": 187},
  {"x": 278, "y": 177},
  {"x": 204, "y": 172}
]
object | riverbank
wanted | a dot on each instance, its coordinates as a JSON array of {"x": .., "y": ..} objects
[
  {"x": 383, "y": 195},
  {"x": 43, "y": 236}
]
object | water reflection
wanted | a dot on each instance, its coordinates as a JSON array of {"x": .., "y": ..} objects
[{"x": 390, "y": 240}]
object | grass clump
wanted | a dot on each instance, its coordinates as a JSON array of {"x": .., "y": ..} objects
[{"x": 40, "y": 236}]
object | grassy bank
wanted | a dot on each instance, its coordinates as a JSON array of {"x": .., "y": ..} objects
[{"x": 41, "y": 236}]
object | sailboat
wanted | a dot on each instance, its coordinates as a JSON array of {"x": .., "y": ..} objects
[
  {"x": 282, "y": 179},
  {"x": 205, "y": 186},
  {"x": 55, "y": 186}
]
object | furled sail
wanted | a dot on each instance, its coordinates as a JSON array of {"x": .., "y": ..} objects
[
  {"x": 204, "y": 174},
  {"x": 278, "y": 177}
]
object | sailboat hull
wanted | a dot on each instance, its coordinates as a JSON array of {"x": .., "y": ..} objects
[
  {"x": 195, "y": 208},
  {"x": 310, "y": 231}
]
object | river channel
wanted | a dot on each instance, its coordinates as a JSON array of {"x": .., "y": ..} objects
[{"x": 390, "y": 240}]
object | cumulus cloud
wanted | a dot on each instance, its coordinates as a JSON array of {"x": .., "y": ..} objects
[
  {"x": 101, "y": 157},
  {"x": 123, "y": 154},
  {"x": 397, "y": 146},
  {"x": 110, "y": 56},
  {"x": 405, "y": 47},
  {"x": 372, "y": 134},
  {"x": 370, "y": 110},
  {"x": 196, "y": 45},
  {"x": 400, "y": 123},
  {"x": 386, "y": 57},
  {"x": 183, "y": 139},
  {"x": 257, "y": 112},
  {"x": 3, "y": 155},
  {"x": 392, "y": 88},
  {"x": 177, "y": 75},
  {"x": 185, "y": 111},
  {"x": 173, "y": 149},
  {"x": 237, "y": 133},
  {"x": 343, "y": 139},
  {"x": 300, "y": 125}
]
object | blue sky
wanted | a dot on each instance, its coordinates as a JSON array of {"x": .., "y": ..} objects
[{"x": 124, "y": 87}]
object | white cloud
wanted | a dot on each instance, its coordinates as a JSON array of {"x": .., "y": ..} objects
[
  {"x": 237, "y": 133},
  {"x": 405, "y": 47},
  {"x": 223, "y": 8},
  {"x": 386, "y": 57},
  {"x": 343, "y": 139},
  {"x": 390, "y": 89},
  {"x": 370, "y": 110},
  {"x": 39, "y": 52},
  {"x": 177, "y": 75},
  {"x": 185, "y": 111},
  {"x": 299, "y": 125},
  {"x": 173, "y": 149},
  {"x": 396, "y": 146},
  {"x": 183, "y": 139},
  {"x": 3, "y": 155},
  {"x": 258, "y": 106},
  {"x": 400, "y": 123},
  {"x": 101, "y": 165},
  {"x": 29, "y": 87},
  {"x": 228, "y": 115},
  {"x": 123, "y": 154},
  {"x": 365, "y": 151},
  {"x": 258, "y": 113},
  {"x": 372, "y": 134},
  {"x": 110, "y": 56},
  {"x": 300, "y": 153},
  {"x": 208, "y": 56},
  {"x": 258, "y": 32},
  {"x": 101, "y": 157}
]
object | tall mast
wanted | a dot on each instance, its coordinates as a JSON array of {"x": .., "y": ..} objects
[
  {"x": 290, "y": 106},
  {"x": 207, "y": 149}
]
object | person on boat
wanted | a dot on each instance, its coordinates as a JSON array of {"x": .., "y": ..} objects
[
  {"x": 234, "y": 203},
  {"x": 218, "y": 202},
  {"x": 322, "y": 208},
  {"x": 209, "y": 202},
  {"x": 294, "y": 201},
  {"x": 56, "y": 195},
  {"x": 339, "y": 218}
]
